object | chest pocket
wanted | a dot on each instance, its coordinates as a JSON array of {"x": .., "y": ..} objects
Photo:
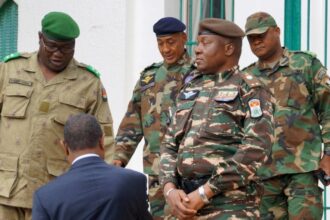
[
  {"x": 224, "y": 117},
  {"x": 291, "y": 91},
  {"x": 16, "y": 101},
  {"x": 70, "y": 105},
  {"x": 182, "y": 116}
]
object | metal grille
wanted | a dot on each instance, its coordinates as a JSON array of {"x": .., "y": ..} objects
[{"x": 8, "y": 28}]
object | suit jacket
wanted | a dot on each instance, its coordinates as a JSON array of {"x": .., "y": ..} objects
[{"x": 93, "y": 190}]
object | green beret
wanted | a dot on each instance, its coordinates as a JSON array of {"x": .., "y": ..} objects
[
  {"x": 258, "y": 23},
  {"x": 59, "y": 26},
  {"x": 220, "y": 27}
]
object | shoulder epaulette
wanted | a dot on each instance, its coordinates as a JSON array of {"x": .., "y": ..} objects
[
  {"x": 310, "y": 53},
  {"x": 154, "y": 65},
  {"x": 252, "y": 64},
  {"x": 90, "y": 69},
  {"x": 251, "y": 80},
  {"x": 15, "y": 56}
]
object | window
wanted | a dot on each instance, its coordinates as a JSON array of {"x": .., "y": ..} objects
[{"x": 192, "y": 11}]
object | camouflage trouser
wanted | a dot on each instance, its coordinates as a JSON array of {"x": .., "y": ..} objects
[
  {"x": 156, "y": 198},
  {"x": 292, "y": 196},
  {"x": 14, "y": 213},
  {"x": 240, "y": 204}
]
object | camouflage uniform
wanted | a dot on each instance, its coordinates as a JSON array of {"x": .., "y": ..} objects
[
  {"x": 33, "y": 113},
  {"x": 300, "y": 86},
  {"x": 147, "y": 117},
  {"x": 221, "y": 132}
]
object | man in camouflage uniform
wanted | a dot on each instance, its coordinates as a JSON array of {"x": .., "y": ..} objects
[
  {"x": 221, "y": 132},
  {"x": 300, "y": 86},
  {"x": 147, "y": 115},
  {"x": 38, "y": 92}
]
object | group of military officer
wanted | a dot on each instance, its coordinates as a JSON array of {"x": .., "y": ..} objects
[{"x": 220, "y": 143}]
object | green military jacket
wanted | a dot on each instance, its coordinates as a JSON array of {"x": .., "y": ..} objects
[
  {"x": 148, "y": 112},
  {"x": 222, "y": 129},
  {"x": 301, "y": 88},
  {"x": 33, "y": 113}
]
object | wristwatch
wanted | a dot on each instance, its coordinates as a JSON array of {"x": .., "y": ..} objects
[
  {"x": 326, "y": 151},
  {"x": 201, "y": 193}
]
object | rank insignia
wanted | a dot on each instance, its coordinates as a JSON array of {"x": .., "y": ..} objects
[
  {"x": 255, "y": 108},
  {"x": 188, "y": 95},
  {"x": 104, "y": 95},
  {"x": 148, "y": 78},
  {"x": 147, "y": 82}
]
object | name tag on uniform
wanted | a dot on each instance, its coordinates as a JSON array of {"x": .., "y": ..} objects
[
  {"x": 255, "y": 108},
  {"x": 226, "y": 95},
  {"x": 188, "y": 95}
]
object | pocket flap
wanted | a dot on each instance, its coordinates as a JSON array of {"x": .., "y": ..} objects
[
  {"x": 185, "y": 105},
  {"x": 15, "y": 90},
  {"x": 8, "y": 173},
  {"x": 57, "y": 167},
  {"x": 73, "y": 100}
]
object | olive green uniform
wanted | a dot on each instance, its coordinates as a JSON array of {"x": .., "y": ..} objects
[{"x": 33, "y": 113}]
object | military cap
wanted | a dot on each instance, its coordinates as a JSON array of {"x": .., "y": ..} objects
[
  {"x": 220, "y": 27},
  {"x": 59, "y": 26},
  {"x": 259, "y": 23},
  {"x": 168, "y": 25}
]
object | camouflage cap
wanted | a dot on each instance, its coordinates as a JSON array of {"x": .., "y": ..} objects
[
  {"x": 59, "y": 26},
  {"x": 220, "y": 27},
  {"x": 259, "y": 23}
]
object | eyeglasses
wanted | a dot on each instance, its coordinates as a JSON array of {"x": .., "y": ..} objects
[{"x": 53, "y": 49}]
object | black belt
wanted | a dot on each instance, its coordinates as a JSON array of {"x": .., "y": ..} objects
[{"x": 189, "y": 185}]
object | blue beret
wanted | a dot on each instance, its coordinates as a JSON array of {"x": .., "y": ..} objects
[
  {"x": 59, "y": 26},
  {"x": 168, "y": 25}
]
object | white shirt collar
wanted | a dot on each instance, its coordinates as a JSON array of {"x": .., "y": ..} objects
[{"x": 84, "y": 156}]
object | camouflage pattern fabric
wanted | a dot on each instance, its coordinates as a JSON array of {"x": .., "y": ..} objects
[
  {"x": 147, "y": 117},
  {"x": 292, "y": 196},
  {"x": 222, "y": 128},
  {"x": 300, "y": 86}
]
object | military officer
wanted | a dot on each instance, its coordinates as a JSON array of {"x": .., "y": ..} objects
[
  {"x": 220, "y": 134},
  {"x": 38, "y": 92},
  {"x": 147, "y": 115},
  {"x": 300, "y": 86}
]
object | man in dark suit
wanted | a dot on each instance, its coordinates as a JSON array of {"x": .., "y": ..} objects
[{"x": 91, "y": 189}]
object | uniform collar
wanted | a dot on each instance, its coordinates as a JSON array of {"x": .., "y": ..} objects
[
  {"x": 222, "y": 76},
  {"x": 267, "y": 69},
  {"x": 185, "y": 59},
  {"x": 67, "y": 73}
]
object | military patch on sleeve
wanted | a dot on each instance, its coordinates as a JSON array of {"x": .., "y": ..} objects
[
  {"x": 188, "y": 95},
  {"x": 104, "y": 95},
  {"x": 147, "y": 82},
  {"x": 255, "y": 108}
]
